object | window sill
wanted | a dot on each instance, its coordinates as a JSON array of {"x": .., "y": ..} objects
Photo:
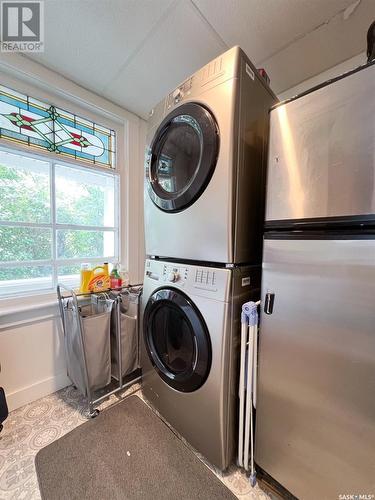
[{"x": 10, "y": 306}]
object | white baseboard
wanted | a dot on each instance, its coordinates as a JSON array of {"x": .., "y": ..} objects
[{"x": 36, "y": 391}]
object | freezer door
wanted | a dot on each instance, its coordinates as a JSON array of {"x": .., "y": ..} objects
[
  {"x": 315, "y": 430},
  {"x": 321, "y": 160}
]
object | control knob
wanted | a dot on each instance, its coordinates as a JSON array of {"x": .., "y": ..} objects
[
  {"x": 172, "y": 276},
  {"x": 177, "y": 95}
]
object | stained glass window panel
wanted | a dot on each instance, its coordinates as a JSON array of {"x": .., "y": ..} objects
[
  {"x": 41, "y": 125},
  {"x": 25, "y": 123}
]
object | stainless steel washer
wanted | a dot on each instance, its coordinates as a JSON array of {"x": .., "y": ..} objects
[
  {"x": 205, "y": 165},
  {"x": 191, "y": 326}
]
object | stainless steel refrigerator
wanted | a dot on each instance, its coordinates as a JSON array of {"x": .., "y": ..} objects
[{"x": 315, "y": 429}]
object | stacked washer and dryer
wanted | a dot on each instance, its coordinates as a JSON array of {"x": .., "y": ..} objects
[{"x": 204, "y": 208}]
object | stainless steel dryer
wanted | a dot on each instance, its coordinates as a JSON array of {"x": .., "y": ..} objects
[
  {"x": 205, "y": 165},
  {"x": 191, "y": 327}
]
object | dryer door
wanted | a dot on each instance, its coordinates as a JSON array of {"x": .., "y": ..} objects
[
  {"x": 182, "y": 157},
  {"x": 177, "y": 340}
]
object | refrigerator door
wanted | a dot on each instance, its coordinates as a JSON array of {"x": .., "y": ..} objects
[
  {"x": 321, "y": 162},
  {"x": 315, "y": 431}
]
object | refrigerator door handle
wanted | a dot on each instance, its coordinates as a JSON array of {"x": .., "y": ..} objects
[{"x": 268, "y": 302}]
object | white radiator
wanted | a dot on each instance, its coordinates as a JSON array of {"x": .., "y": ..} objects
[{"x": 247, "y": 386}]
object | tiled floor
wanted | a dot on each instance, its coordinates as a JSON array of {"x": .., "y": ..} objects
[{"x": 30, "y": 428}]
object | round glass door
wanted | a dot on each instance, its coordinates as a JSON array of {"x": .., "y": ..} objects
[
  {"x": 177, "y": 340},
  {"x": 182, "y": 157}
]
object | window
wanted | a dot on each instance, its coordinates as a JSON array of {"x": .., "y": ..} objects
[
  {"x": 39, "y": 125},
  {"x": 53, "y": 217}
]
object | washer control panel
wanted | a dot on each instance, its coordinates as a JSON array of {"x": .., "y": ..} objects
[
  {"x": 175, "y": 274},
  {"x": 205, "y": 277},
  {"x": 209, "y": 282}
]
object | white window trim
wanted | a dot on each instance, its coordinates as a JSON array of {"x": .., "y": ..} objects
[{"x": 54, "y": 262}]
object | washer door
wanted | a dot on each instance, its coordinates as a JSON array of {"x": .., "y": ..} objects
[
  {"x": 182, "y": 157},
  {"x": 177, "y": 340}
]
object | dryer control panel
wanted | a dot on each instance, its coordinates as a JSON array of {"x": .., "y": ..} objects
[
  {"x": 214, "y": 73},
  {"x": 179, "y": 93}
]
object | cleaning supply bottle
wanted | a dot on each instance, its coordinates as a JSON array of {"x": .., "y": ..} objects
[
  {"x": 125, "y": 278},
  {"x": 86, "y": 274},
  {"x": 99, "y": 279},
  {"x": 116, "y": 280}
]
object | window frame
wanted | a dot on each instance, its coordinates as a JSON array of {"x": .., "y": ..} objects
[{"x": 54, "y": 226}]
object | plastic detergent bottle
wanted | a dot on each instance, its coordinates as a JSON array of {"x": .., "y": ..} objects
[
  {"x": 86, "y": 274},
  {"x": 125, "y": 278},
  {"x": 99, "y": 279}
]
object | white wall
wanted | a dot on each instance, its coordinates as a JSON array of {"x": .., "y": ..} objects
[
  {"x": 32, "y": 360},
  {"x": 32, "y": 356},
  {"x": 337, "y": 70}
]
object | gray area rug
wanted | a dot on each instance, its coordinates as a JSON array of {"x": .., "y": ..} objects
[{"x": 126, "y": 452}]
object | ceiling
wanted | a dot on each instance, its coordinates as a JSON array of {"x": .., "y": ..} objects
[{"x": 133, "y": 52}]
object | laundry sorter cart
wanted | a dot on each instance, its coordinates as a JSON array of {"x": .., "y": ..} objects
[{"x": 101, "y": 340}]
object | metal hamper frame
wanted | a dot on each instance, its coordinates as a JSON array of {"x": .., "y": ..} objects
[{"x": 91, "y": 401}]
